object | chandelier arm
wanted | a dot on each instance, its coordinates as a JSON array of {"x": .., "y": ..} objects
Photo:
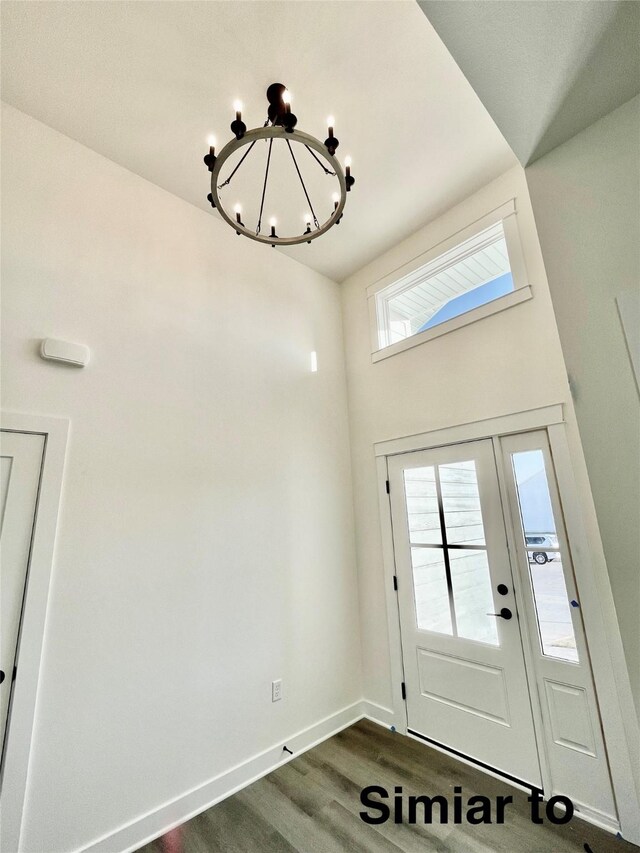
[
  {"x": 320, "y": 163},
  {"x": 295, "y": 163},
  {"x": 228, "y": 181},
  {"x": 264, "y": 188}
]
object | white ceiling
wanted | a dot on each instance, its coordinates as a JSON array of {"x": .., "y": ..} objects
[
  {"x": 555, "y": 67},
  {"x": 144, "y": 83}
]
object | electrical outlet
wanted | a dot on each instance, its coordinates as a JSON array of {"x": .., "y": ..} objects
[{"x": 276, "y": 690}]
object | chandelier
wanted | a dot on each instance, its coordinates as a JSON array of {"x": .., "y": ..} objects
[{"x": 279, "y": 127}]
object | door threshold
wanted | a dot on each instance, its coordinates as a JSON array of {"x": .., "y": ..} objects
[{"x": 528, "y": 787}]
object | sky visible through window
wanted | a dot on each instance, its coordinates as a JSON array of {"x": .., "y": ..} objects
[{"x": 471, "y": 299}]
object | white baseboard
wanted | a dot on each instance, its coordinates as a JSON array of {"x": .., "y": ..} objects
[
  {"x": 384, "y": 717},
  {"x": 130, "y": 836},
  {"x": 140, "y": 831},
  {"x": 155, "y": 823}
]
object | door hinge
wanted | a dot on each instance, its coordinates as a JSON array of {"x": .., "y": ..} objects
[
  {"x": 404, "y": 691},
  {"x": 395, "y": 582},
  {"x": 388, "y": 488}
]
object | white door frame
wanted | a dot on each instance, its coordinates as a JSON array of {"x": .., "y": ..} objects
[
  {"x": 31, "y": 636},
  {"x": 619, "y": 719}
]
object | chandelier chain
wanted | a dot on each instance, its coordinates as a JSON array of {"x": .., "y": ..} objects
[
  {"x": 228, "y": 181},
  {"x": 320, "y": 163},
  {"x": 295, "y": 163},
  {"x": 264, "y": 188}
]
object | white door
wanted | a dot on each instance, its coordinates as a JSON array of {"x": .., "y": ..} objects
[
  {"x": 466, "y": 684},
  {"x": 572, "y": 738},
  {"x": 21, "y": 456}
]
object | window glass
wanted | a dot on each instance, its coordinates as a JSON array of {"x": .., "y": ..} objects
[
  {"x": 422, "y": 506},
  {"x": 472, "y": 596},
  {"x": 475, "y": 272},
  {"x": 430, "y": 588},
  {"x": 553, "y": 610},
  {"x": 461, "y": 503},
  {"x": 451, "y": 580},
  {"x": 533, "y": 493}
]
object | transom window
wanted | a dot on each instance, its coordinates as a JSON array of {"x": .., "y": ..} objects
[{"x": 473, "y": 277}]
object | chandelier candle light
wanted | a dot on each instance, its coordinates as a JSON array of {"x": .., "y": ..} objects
[{"x": 280, "y": 124}]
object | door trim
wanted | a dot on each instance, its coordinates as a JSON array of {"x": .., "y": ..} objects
[
  {"x": 613, "y": 689},
  {"x": 488, "y": 428},
  {"x": 31, "y": 636},
  {"x": 619, "y": 719}
]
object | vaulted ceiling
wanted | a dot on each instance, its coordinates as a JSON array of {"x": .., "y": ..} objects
[
  {"x": 545, "y": 69},
  {"x": 144, "y": 83}
]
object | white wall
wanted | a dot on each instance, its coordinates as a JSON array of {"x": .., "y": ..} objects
[
  {"x": 586, "y": 200},
  {"x": 206, "y": 538},
  {"x": 506, "y": 363}
]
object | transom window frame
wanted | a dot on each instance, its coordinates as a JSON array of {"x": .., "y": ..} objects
[{"x": 506, "y": 214}]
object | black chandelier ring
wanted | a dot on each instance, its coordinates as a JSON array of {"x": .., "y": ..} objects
[{"x": 272, "y": 132}]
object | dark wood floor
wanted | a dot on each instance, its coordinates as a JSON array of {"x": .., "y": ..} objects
[{"x": 312, "y": 805}]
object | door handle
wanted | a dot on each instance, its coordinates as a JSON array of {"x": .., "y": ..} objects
[{"x": 505, "y": 613}]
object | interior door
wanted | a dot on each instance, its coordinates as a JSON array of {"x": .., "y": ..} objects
[
  {"x": 466, "y": 685},
  {"x": 573, "y": 739},
  {"x": 21, "y": 457}
]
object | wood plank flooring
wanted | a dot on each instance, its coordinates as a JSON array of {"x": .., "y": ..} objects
[{"x": 312, "y": 805}]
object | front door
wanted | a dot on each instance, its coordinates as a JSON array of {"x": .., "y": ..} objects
[{"x": 466, "y": 684}]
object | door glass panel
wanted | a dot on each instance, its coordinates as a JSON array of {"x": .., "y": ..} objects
[
  {"x": 422, "y": 506},
  {"x": 553, "y": 609},
  {"x": 472, "y": 595},
  {"x": 533, "y": 494},
  {"x": 553, "y": 612},
  {"x": 431, "y": 592},
  {"x": 452, "y": 585},
  {"x": 461, "y": 503}
]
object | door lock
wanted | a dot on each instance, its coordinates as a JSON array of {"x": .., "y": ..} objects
[{"x": 505, "y": 613}]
